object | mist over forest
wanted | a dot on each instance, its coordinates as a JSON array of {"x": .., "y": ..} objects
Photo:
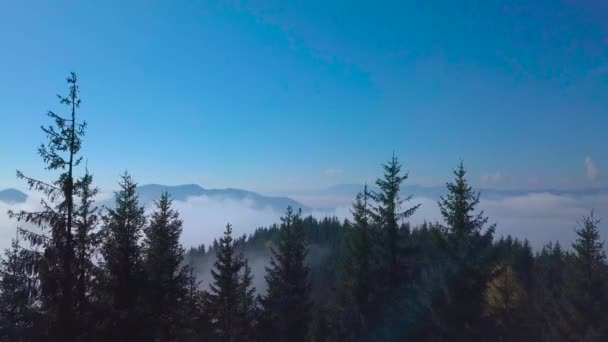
[
  {"x": 381, "y": 263},
  {"x": 533, "y": 215}
]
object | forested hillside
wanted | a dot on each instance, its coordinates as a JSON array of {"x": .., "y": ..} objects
[{"x": 115, "y": 273}]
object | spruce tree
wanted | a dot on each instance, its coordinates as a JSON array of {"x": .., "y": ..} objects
[
  {"x": 589, "y": 292},
  {"x": 223, "y": 299},
  {"x": 18, "y": 296},
  {"x": 248, "y": 305},
  {"x": 470, "y": 254},
  {"x": 86, "y": 240},
  {"x": 196, "y": 326},
  {"x": 458, "y": 207},
  {"x": 122, "y": 262},
  {"x": 166, "y": 278},
  {"x": 387, "y": 215},
  {"x": 287, "y": 305},
  {"x": 230, "y": 297},
  {"x": 56, "y": 218},
  {"x": 359, "y": 261}
]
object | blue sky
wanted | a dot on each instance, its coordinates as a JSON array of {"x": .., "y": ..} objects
[{"x": 275, "y": 96}]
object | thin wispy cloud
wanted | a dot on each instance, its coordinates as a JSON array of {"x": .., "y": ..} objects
[
  {"x": 332, "y": 172},
  {"x": 492, "y": 178},
  {"x": 591, "y": 169}
]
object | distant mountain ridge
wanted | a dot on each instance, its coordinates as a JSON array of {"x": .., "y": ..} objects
[
  {"x": 150, "y": 192},
  {"x": 12, "y": 196}
]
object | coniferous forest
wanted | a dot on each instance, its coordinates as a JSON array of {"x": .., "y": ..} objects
[{"x": 78, "y": 271}]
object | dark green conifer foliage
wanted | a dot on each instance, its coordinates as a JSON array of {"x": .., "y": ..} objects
[
  {"x": 122, "y": 262},
  {"x": 287, "y": 306},
  {"x": 230, "y": 303},
  {"x": 470, "y": 250},
  {"x": 56, "y": 218},
  {"x": 196, "y": 325},
  {"x": 590, "y": 282},
  {"x": 166, "y": 279},
  {"x": 359, "y": 262},
  {"x": 248, "y": 306},
  {"x": 387, "y": 215},
  {"x": 86, "y": 240},
  {"x": 222, "y": 300},
  {"x": 549, "y": 295},
  {"x": 18, "y": 295}
]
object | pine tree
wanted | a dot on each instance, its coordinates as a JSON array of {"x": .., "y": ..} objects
[
  {"x": 470, "y": 249},
  {"x": 387, "y": 215},
  {"x": 122, "y": 261},
  {"x": 287, "y": 306},
  {"x": 590, "y": 284},
  {"x": 166, "y": 279},
  {"x": 57, "y": 260}
]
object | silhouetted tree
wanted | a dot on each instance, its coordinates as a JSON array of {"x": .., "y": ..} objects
[
  {"x": 387, "y": 215},
  {"x": 166, "y": 279},
  {"x": 590, "y": 282},
  {"x": 223, "y": 299},
  {"x": 57, "y": 216},
  {"x": 286, "y": 306},
  {"x": 86, "y": 243},
  {"x": 18, "y": 295},
  {"x": 122, "y": 262},
  {"x": 359, "y": 263},
  {"x": 247, "y": 305},
  {"x": 470, "y": 253}
]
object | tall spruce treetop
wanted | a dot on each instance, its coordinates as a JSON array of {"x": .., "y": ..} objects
[
  {"x": 287, "y": 306},
  {"x": 222, "y": 300},
  {"x": 166, "y": 279},
  {"x": 471, "y": 257},
  {"x": 60, "y": 153},
  {"x": 388, "y": 212},
  {"x": 360, "y": 250},
  {"x": 163, "y": 251},
  {"x": 590, "y": 291},
  {"x": 122, "y": 257},
  {"x": 458, "y": 208},
  {"x": 588, "y": 246}
]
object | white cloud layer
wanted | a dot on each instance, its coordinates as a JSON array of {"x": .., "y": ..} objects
[{"x": 539, "y": 217}]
